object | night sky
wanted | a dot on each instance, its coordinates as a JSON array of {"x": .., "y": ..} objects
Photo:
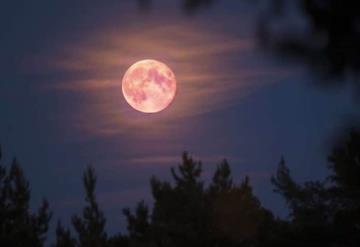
[{"x": 61, "y": 105}]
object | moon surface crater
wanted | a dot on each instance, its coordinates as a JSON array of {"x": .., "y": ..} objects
[{"x": 149, "y": 86}]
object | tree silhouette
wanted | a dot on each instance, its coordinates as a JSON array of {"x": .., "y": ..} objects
[
  {"x": 186, "y": 213},
  {"x": 118, "y": 240},
  {"x": 345, "y": 165},
  {"x": 63, "y": 237},
  {"x": 310, "y": 209},
  {"x": 236, "y": 215},
  {"x": 90, "y": 227},
  {"x": 138, "y": 225},
  {"x": 179, "y": 211},
  {"x": 221, "y": 181},
  {"x": 345, "y": 189},
  {"x": 326, "y": 213},
  {"x": 19, "y": 226}
]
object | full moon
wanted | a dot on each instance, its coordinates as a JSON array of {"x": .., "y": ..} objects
[{"x": 149, "y": 86}]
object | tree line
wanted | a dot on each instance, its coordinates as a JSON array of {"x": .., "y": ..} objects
[{"x": 186, "y": 212}]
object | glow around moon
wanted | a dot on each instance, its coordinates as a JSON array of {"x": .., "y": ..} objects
[{"x": 149, "y": 86}]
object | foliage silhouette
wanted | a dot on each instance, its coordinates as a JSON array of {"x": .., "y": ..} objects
[
  {"x": 64, "y": 237},
  {"x": 179, "y": 213},
  {"x": 221, "y": 181},
  {"x": 331, "y": 43},
  {"x": 90, "y": 227},
  {"x": 326, "y": 212},
  {"x": 138, "y": 226},
  {"x": 19, "y": 226},
  {"x": 187, "y": 212}
]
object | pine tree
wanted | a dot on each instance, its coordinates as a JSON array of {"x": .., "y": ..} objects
[
  {"x": 19, "y": 226},
  {"x": 63, "y": 237},
  {"x": 221, "y": 181},
  {"x": 325, "y": 212},
  {"x": 90, "y": 227},
  {"x": 178, "y": 217},
  {"x": 138, "y": 226},
  {"x": 186, "y": 213}
]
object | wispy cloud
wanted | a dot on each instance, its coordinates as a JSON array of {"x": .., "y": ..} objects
[
  {"x": 213, "y": 71},
  {"x": 173, "y": 160}
]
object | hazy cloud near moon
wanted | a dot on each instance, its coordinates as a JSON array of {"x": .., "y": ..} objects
[
  {"x": 174, "y": 159},
  {"x": 213, "y": 70}
]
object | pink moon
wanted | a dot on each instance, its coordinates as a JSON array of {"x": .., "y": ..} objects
[{"x": 149, "y": 86}]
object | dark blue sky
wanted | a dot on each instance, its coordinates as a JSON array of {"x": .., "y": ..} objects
[{"x": 61, "y": 106}]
